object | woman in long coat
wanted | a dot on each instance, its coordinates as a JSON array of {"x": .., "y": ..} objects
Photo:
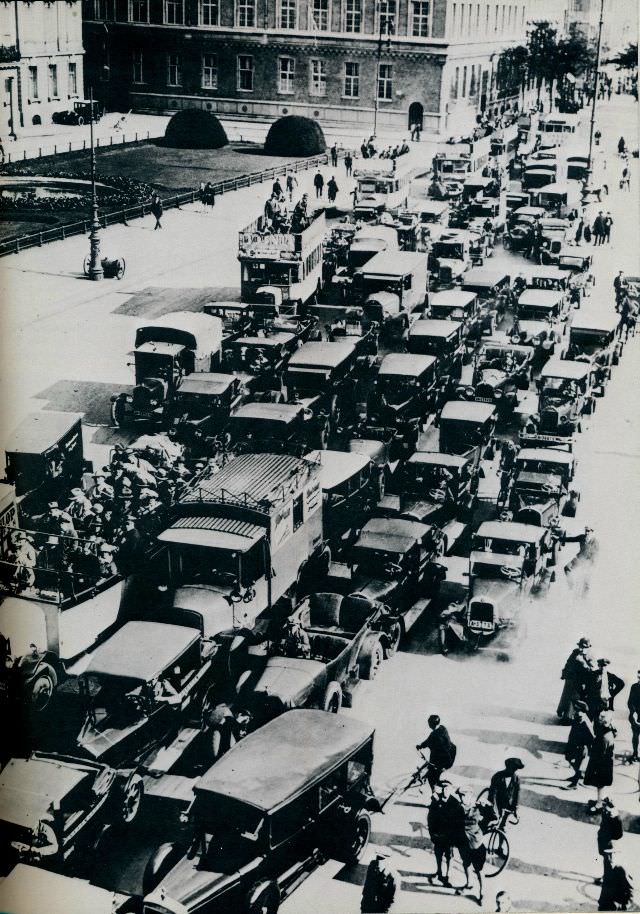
[{"x": 599, "y": 773}]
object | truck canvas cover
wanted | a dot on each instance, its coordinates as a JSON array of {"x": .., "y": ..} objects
[
  {"x": 39, "y": 431},
  {"x": 248, "y": 479},
  {"x": 434, "y": 328}
]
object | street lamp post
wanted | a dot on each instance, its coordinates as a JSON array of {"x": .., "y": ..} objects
[
  {"x": 95, "y": 271},
  {"x": 595, "y": 94},
  {"x": 385, "y": 29}
]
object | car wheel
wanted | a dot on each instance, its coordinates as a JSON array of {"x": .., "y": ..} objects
[
  {"x": 132, "y": 793},
  {"x": 118, "y": 412},
  {"x": 371, "y": 661},
  {"x": 332, "y": 698},
  {"x": 80, "y": 121},
  {"x": 394, "y": 636},
  {"x": 206, "y": 708},
  {"x": 42, "y": 688},
  {"x": 163, "y": 860},
  {"x": 263, "y": 899},
  {"x": 357, "y": 839}
]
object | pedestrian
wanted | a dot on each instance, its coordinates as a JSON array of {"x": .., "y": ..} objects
[
  {"x": 355, "y": 196},
  {"x": 575, "y": 673},
  {"x": 503, "y": 902},
  {"x": 380, "y": 884},
  {"x": 332, "y": 189},
  {"x": 597, "y": 137},
  {"x": 348, "y": 163},
  {"x": 578, "y": 570},
  {"x": 290, "y": 184},
  {"x": 471, "y": 847},
  {"x": 633, "y": 704},
  {"x": 579, "y": 742},
  {"x": 587, "y": 234},
  {"x": 602, "y": 688},
  {"x": 598, "y": 229},
  {"x": 599, "y": 771},
  {"x": 157, "y": 210},
  {"x": 318, "y": 183},
  {"x": 334, "y": 156},
  {"x": 624, "y": 321},
  {"x": 619, "y": 285},
  {"x": 622, "y": 146},
  {"x": 276, "y": 190},
  {"x": 607, "y": 223},
  {"x": 617, "y": 886},
  {"x": 504, "y": 787},
  {"x": 442, "y": 751},
  {"x": 2, "y": 153},
  {"x": 625, "y": 180},
  {"x": 444, "y": 821},
  {"x": 609, "y": 830}
]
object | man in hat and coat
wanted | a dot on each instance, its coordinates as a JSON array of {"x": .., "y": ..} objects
[
  {"x": 504, "y": 787},
  {"x": 577, "y": 669},
  {"x": 579, "y": 742},
  {"x": 444, "y": 821},
  {"x": 602, "y": 688},
  {"x": 379, "y": 889}
]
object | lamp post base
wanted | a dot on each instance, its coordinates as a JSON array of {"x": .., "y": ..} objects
[{"x": 95, "y": 271}]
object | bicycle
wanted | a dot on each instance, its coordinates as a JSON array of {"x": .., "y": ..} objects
[
  {"x": 498, "y": 849},
  {"x": 418, "y": 779}
]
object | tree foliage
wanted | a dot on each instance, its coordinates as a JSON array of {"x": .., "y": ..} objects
[
  {"x": 194, "y": 128},
  {"x": 542, "y": 46},
  {"x": 627, "y": 59},
  {"x": 294, "y": 135},
  {"x": 512, "y": 70}
]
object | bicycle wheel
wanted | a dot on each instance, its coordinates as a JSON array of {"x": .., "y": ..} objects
[{"x": 497, "y": 853}]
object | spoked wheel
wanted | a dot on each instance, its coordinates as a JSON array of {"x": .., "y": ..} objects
[
  {"x": 121, "y": 267},
  {"x": 497, "y": 853},
  {"x": 86, "y": 264},
  {"x": 131, "y": 799}
]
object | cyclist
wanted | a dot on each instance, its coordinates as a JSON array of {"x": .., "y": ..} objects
[
  {"x": 442, "y": 751},
  {"x": 504, "y": 788}
]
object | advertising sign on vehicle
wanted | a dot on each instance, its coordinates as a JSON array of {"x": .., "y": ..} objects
[{"x": 271, "y": 246}]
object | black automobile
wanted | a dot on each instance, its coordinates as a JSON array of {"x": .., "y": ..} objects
[{"x": 80, "y": 114}]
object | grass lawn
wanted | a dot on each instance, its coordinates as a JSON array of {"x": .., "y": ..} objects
[{"x": 168, "y": 170}]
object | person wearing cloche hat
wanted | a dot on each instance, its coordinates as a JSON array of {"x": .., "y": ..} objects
[{"x": 576, "y": 673}]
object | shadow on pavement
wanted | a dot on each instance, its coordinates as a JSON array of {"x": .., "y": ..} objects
[
  {"x": 88, "y": 397},
  {"x": 532, "y": 743},
  {"x": 155, "y": 301}
]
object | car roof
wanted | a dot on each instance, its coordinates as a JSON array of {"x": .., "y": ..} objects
[
  {"x": 467, "y": 411},
  {"x": 252, "y": 476},
  {"x": 393, "y": 263},
  {"x": 434, "y": 327},
  {"x": 489, "y": 342},
  {"x": 34, "y": 890},
  {"x": 556, "y": 187},
  {"x": 285, "y": 757},
  {"x": 338, "y": 466},
  {"x": 206, "y": 382},
  {"x": 483, "y": 276},
  {"x": 545, "y": 454},
  {"x": 529, "y": 211},
  {"x": 141, "y": 650},
  {"x": 541, "y": 298},
  {"x": 28, "y": 787},
  {"x": 435, "y": 458},
  {"x": 434, "y": 206},
  {"x": 604, "y": 322},
  {"x": 160, "y": 348},
  {"x": 565, "y": 368},
  {"x": 38, "y": 431},
  {"x": 391, "y": 534},
  {"x": 278, "y": 338},
  {"x": 453, "y": 298},
  {"x": 321, "y": 355},
  {"x": 274, "y": 412},
  {"x": 402, "y": 364},
  {"x": 511, "y": 530},
  {"x": 545, "y": 272},
  {"x": 213, "y": 533}
]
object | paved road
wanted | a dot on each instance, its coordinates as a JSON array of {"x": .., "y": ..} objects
[{"x": 68, "y": 340}]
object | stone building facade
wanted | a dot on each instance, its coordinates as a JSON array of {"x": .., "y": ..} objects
[
  {"x": 41, "y": 61},
  {"x": 355, "y": 62}
]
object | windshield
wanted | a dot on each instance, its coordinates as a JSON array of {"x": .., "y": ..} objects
[
  {"x": 206, "y": 565},
  {"x": 452, "y": 166},
  {"x": 453, "y": 250},
  {"x": 532, "y": 313},
  {"x": 272, "y": 272},
  {"x": 376, "y": 562},
  {"x": 229, "y": 849},
  {"x": 501, "y": 547},
  {"x": 398, "y": 389},
  {"x": 432, "y": 345},
  {"x": 561, "y": 388},
  {"x": 463, "y": 434},
  {"x": 429, "y": 479}
]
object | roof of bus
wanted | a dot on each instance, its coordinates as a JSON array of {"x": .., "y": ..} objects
[{"x": 435, "y": 458}]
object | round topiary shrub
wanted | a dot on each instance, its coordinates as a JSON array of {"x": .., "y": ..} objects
[
  {"x": 297, "y": 136},
  {"x": 194, "y": 128}
]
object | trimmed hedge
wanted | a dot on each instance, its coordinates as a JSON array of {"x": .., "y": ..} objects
[
  {"x": 194, "y": 128},
  {"x": 295, "y": 136}
]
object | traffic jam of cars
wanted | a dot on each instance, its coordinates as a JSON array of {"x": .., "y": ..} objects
[{"x": 380, "y": 431}]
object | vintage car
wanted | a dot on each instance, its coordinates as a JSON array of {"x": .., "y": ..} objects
[
  {"x": 44, "y": 456},
  {"x": 321, "y": 377},
  {"x": 443, "y": 339},
  {"x": 556, "y": 198},
  {"x": 432, "y": 488},
  {"x": 344, "y": 646},
  {"x": 140, "y": 687},
  {"x": 493, "y": 288},
  {"x": 541, "y": 309},
  {"x": 352, "y": 485},
  {"x": 385, "y": 311},
  {"x": 554, "y": 233},
  {"x": 500, "y": 371},
  {"x": 508, "y": 560},
  {"x": 520, "y": 226},
  {"x": 478, "y": 211},
  {"x": 478, "y": 185},
  {"x": 30, "y": 890},
  {"x": 547, "y": 278},
  {"x": 434, "y": 220},
  {"x": 284, "y": 799},
  {"x": 454, "y": 252},
  {"x": 516, "y": 201},
  {"x": 465, "y": 306},
  {"x": 202, "y": 406},
  {"x": 574, "y": 260},
  {"x": 404, "y": 392},
  {"x": 466, "y": 426},
  {"x": 538, "y": 174},
  {"x": 83, "y": 112},
  {"x": 393, "y": 561},
  {"x": 357, "y": 325},
  {"x": 54, "y": 809},
  {"x": 594, "y": 337},
  {"x": 273, "y": 428},
  {"x": 566, "y": 393},
  {"x": 540, "y": 487},
  {"x": 260, "y": 360},
  {"x": 236, "y": 317},
  {"x": 174, "y": 346}
]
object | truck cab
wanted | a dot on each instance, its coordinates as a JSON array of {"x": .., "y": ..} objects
[
  {"x": 541, "y": 481},
  {"x": 276, "y": 428},
  {"x": 443, "y": 339},
  {"x": 566, "y": 393},
  {"x": 466, "y": 426},
  {"x": 202, "y": 407},
  {"x": 403, "y": 394},
  {"x": 320, "y": 376},
  {"x": 403, "y": 273}
]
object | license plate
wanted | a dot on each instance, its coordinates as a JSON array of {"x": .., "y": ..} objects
[{"x": 483, "y": 626}]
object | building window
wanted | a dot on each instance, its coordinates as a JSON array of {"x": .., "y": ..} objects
[
  {"x": 138, "y": 10},
  {"x": 245, "y": 73},
  {"x": 246, "y": 14},
  {"x": 386, "y": 17},
  {"x": 385, "y": 82},
  {"x": 320, "y": 15},
  {"x": 352, "y": 15},
  {"x": 486, "y": 21},
  {"x": 101, "y": 9},
  {"x": 209, "y": 12},
  {"x": 472, "y": 80},
  {"x": 174, "y": 70},
  {"x": 174, "y": 12},
  {"x": 318, "y": 77},
  {"x": 136, "y": 58},
  {"x": 351, "y": 79},
  {"x": 53, "y": 80},
  {"x": 453, "y": 19},
  {"x": 456, "y": 83},
  {"x": 209, "y": 71},
  {"x": 33, "y": 84},
  {"x": 420, "y": 15},
  {"x": 286, "y": 73},
  {"x": 72, "y": 78},
  {"x": 463, "y": 92},
  {"x": 288, "y": 14}
]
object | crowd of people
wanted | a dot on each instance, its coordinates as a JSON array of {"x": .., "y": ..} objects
[{"x": 103, "y": 527}]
